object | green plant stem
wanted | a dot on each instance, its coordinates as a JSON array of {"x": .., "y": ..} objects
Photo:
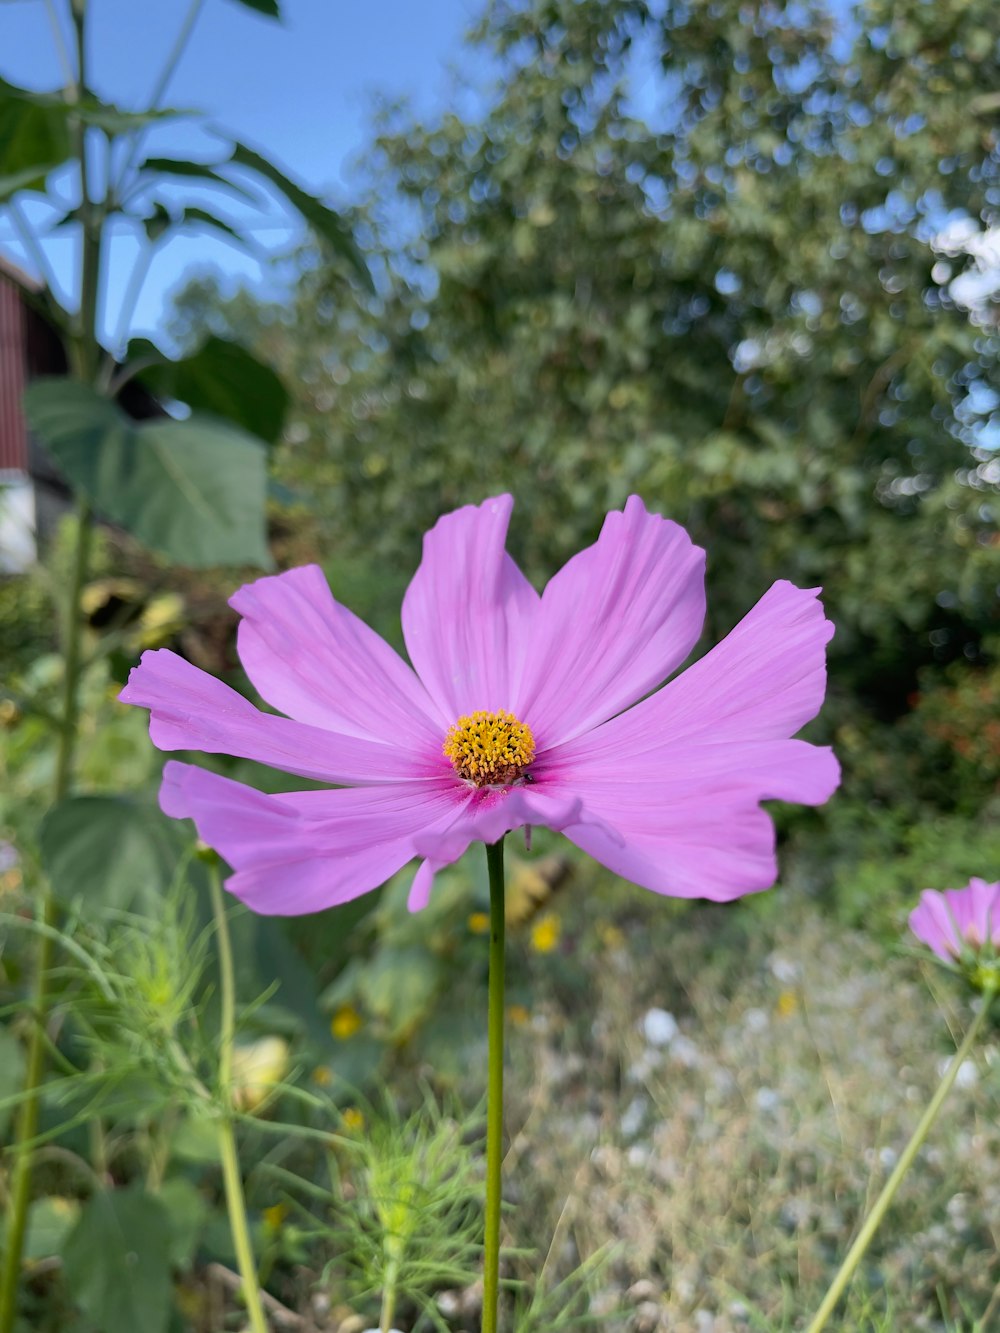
[
  {"x": 494, "y": 1094},
  {"x": 388, "y": 1296},
  {"x": 235, "y": 1201},
  {"x": 29, "y": 1110},
  {"x": 32, "y": 245},
  {"x": 881, "y": 1206},
  {"x": 59, "y": 41},
  {"x": 86, "y": 362},
  {"x": 173, "y": 59}
]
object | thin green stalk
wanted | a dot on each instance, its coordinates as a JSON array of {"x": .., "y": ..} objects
[
  {"x": 494, "y": 1095},
  {"x": 388, "y": 1296},
  {"x": 28, "y": 1113},
  {"x": 73, "y": 642},
  {"x": 176, "y": 52},
  {"x": 32, "y": 245},
  {"x": 874, "y": 1218},
  {"x": 173, "y": 59},
  {"x": 59, "y": 41},
  {"x": 136, "y": 282},
  {"x": 87, "y": 358},
  {"x": 235, "y": 1201}
]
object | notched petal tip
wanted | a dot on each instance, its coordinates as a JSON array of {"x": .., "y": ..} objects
[
  {"x": 151, "y": 660},
  {"x": 244, "y": 599}
]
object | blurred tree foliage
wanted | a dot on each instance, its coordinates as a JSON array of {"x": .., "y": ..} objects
[{"x": 705, "y": 252}]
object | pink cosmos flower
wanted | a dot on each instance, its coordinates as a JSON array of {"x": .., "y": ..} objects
[
  {"x": 958, "y": 920},
  {"x": 519, "y": 709}
]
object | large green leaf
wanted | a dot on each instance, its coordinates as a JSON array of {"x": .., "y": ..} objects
[
  {"x": 399, "y": 987},
  {"x": 188, "y": 1211},
  {"x": 327, "y": 224},
  {"x": 36, "y": 130},
  {"x": 34, "y": 138},
  {"x": 224, "y": 378},
  {"x": 117, "y": 1261},
  {"x": 116, "y": 120},
  {"x": 50, "y": 1220},
  {"x": 108, "y": 850},
  {"x": 193, "y": 490}
]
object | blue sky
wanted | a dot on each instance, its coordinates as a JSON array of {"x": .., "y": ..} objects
[{"x": 301, "y": 91}]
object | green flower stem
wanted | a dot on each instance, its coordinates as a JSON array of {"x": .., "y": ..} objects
[
  {"x": 389, "y": 1295},
  {"x": 235, "y": 1201},
  {"x": 881, "y": 1207},
  {"x": 494, "y": 1095}
]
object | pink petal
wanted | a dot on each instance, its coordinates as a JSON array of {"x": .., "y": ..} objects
[
  {"x": 190, "y": 710},
  {"x": 468, "y": 612},
  {"x": 316, "y": 661},
  {"x": 484, "y": 817},
  {"x": 985, "y": 900},
  {"x": 764, "y": 681},
  {"x": 615, "y": 621},
  {"x": 304, "y": 851},
  {"x": 689, "y": 850},
  {"x": 686, "y": 817},
  {"x": 933, "y": 922},
  {"x": 680, "y": 776}
]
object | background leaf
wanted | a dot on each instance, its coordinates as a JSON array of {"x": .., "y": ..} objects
[
  {"x": 193, "y": 490},
  {"x": 197, "y": 171},
  {"x": 188, "y": 1210},
  {"x": 34, "y": 138},
  {"x": 50, "y": 1221},
  {"x": 109, "y": 850},
  {"x": 117, "y": 1261},
  {"x": 224, "y": 378},
  {"x": 268, "y": 7},
  {"x": 327, "y": 224}
]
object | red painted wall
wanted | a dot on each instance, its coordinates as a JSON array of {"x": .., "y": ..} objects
[{"x": 13, "y": 365}]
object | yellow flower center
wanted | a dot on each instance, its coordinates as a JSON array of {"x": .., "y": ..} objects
[{"x": 489, "y": 749}]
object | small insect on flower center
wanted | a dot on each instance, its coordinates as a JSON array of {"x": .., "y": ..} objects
[{"x": 489, "y": 749}]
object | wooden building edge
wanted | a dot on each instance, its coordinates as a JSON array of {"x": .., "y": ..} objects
[{"x": 34, "y": 497}]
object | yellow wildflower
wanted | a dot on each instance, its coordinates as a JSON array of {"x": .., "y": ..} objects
[
  {"x": 346, "y": 1022},
  {"x": 545, "y": 933},
  {"x": 788, "y": 1003}
]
